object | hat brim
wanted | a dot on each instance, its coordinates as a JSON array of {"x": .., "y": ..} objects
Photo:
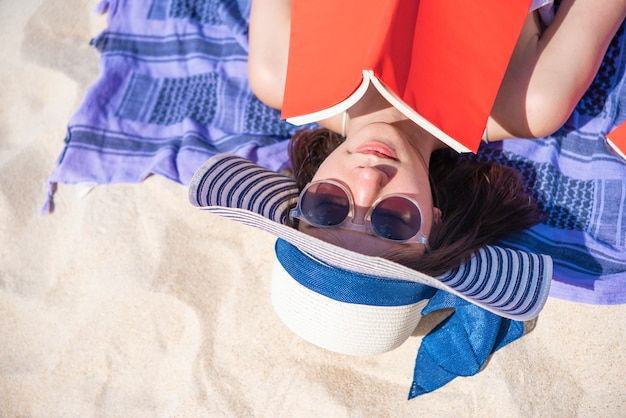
[{"x": 510, "y": 283}]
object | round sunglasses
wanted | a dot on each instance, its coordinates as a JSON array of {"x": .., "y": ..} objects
[{"x": 329, "y": 204}]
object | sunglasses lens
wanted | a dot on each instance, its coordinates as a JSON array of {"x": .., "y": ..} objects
[
  {"x": 325, "y": 204},
  {"x": 396, "y": 218}
]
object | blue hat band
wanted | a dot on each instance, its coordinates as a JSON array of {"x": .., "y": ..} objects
[{"x": 348, "y": 286}]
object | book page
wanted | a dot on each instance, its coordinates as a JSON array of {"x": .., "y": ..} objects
[{"x": 444, "y": 60}]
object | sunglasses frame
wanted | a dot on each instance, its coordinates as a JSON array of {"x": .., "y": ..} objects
[{"x": 348, "y": 222}]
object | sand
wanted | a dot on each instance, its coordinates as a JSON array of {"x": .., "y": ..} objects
[{"x": 129, "y": 302}]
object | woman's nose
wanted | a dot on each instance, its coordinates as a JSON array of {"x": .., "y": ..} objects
[{"x": 366, "y": 188}]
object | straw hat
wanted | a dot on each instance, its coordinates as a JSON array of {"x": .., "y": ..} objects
[{"x": 349, "y": 302}]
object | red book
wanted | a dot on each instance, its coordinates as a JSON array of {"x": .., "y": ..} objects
[
  {"x": 617, "y": 139},
  {"x": 440, "y": 62}
]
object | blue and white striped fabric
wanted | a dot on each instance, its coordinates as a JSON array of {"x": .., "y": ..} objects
[
  {"x": 581, "y": 184},
  {"x": 173, "y": 92},
  {"x": 510, "y": 283}
]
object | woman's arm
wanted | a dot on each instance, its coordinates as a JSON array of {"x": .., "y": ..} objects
[
  {"x": 270, "y": 27},
  {"x": 550, "y": 71},
  {"x": 270, "y": 24}
]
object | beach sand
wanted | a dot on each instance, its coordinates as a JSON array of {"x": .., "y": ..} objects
[{"x": 128, "y": 302}]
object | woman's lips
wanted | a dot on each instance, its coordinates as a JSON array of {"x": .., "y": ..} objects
[{"x": 378, "y": 149}]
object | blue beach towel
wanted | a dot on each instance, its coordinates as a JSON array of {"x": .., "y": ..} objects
[
  {"x": 581, "y": 184},
  {"x": 173, "y": 92}
]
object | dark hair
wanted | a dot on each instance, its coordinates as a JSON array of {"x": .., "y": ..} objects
[{"x": 480, "y": 203}]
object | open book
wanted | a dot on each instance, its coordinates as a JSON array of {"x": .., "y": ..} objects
[
  {"x": 617, "y": 140},
  {"x": 440, "y": 62}
]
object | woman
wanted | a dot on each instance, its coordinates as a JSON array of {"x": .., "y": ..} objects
[
  {"x": 461, "y": 207},
  {"x": 350, "y": 302}
]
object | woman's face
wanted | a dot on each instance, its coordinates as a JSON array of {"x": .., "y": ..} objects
[{"x": 377, "y": 160}]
